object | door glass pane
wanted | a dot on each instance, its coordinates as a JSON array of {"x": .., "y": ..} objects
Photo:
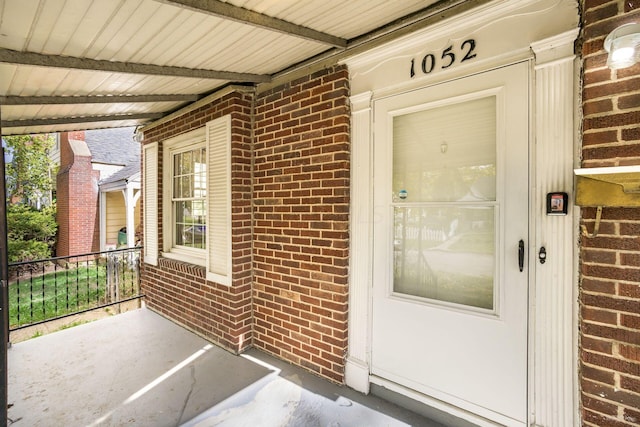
[
  {"x": 446, "y": 153},
  {"x": 444, "y": 198},
  {"x": 445, "y": 253}
]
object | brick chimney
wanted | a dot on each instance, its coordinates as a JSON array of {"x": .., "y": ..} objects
[{"x": 77, "y": 197}]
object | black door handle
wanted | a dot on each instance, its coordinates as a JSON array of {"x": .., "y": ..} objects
[{"x": 521, "y": 254}]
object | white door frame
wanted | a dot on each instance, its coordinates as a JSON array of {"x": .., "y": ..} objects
[{"x": 552, "y": 312}]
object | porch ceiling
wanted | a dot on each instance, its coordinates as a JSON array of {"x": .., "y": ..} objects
[{"x": 87, "y": 64}]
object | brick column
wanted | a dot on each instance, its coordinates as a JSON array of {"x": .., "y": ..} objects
[
  {"x": 301, "y": 221},
  {"x": 77, "y": 197},
  {"x": 610, "y": 262}
]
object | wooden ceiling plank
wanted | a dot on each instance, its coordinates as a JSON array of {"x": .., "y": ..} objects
[
  {"x": 228, "y": 11},
  {"x": 37, "y": 59}
]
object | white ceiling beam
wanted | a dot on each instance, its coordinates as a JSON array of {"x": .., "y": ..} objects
[
  {"x": 70, "y": 62},
  {"x": 93, "y": 99},
  {"x": 228, "y": 11},
  {"x": 74, "y": 120}
]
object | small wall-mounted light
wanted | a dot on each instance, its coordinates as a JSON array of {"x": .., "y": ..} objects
[
  {"x": 623, "y": 45},
  {"x": 137, "y": 135}
]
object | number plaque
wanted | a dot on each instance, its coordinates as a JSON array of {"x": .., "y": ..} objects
[{"x": 445, "y": 59}]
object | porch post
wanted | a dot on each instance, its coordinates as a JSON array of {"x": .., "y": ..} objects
[
  {"x": 554, "y": 295},
  {"x": 102, "y": 206},
  {"x": 4, "y": 295},
  {"x": 129, "y": 204}
]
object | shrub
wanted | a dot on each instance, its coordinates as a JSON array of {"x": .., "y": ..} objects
[
  {"x": 31, "y": 233},
  {"x": 27, "y": 250}
]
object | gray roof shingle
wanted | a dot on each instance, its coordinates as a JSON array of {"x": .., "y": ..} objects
[{"x": 113, "y": 146}]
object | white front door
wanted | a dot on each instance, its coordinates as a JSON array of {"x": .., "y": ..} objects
[{"x": 451, "y": 215}]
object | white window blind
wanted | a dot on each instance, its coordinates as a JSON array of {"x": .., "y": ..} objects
[
  {"x": 219, "y": 200},
  {"x": 150, "y": 192}
]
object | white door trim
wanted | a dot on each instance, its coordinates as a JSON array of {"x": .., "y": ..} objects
[
  {"x": 361, "y": 230},
  {"x": 553, "y": 318},
  {"x": 553, "y": 329}
]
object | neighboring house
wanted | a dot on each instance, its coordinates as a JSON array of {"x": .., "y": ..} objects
[
  {"x": 119, "y": 193},
  {"x": 405, "y": 221},
  {"x": 98, "y": 190}
]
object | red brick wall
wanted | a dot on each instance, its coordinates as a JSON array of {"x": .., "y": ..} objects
[
  {"x": 610, "y": 262},
  {"x": 179, "y": 290},
  {"x": 77, "y": 200},
  {"x": 289, "y": 290},
  {"x": 301, "y": 205}
]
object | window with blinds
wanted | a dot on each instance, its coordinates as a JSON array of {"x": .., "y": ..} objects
[{"x": 196, "y": 199}]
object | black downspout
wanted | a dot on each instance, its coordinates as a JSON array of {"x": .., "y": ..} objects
[{"x": 4, "y": 298}]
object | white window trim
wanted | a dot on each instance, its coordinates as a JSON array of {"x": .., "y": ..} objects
[
  {"x": 180, "y": 143},
  {"x": 216, "y": 258}
]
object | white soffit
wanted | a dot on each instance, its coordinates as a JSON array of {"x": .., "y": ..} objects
[{"x": 82, "y": 39}]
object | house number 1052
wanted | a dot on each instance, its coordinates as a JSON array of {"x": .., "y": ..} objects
[{"x": 447, "y": 57}]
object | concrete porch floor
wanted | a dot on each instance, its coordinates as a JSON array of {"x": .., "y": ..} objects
[{"x": 138, "y": 368}]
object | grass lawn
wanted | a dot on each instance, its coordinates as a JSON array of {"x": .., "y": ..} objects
[{"x": 42, "y": 297}]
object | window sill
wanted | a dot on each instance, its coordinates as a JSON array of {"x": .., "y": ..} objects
[
  {"x": 182, "y": 268},
  {"x": 186, "y": 258}
]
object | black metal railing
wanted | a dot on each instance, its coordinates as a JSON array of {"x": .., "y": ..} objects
[{"x": 49, "y": 289}]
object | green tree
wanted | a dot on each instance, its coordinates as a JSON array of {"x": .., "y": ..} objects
[
  {"x": 30, "y": 232},
  {"x": 30, "y": 169}
]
